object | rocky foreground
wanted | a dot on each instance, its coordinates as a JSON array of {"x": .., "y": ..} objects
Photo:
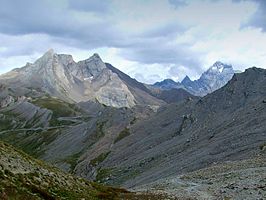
[
  {"x": 239, "y": 180},
  {"x": 23, "y": 177}
]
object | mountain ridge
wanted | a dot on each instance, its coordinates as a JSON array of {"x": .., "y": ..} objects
[
  {"x": 195, "y": 133},
  {"x": 212, "y": 79},
  {"x": 91, "y": 79}
]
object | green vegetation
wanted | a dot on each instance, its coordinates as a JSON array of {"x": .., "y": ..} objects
[
  {"x": 99, "y": 129},
  {"x": 133, "y": 121},
  {"x": 59, "y": 109},
  {"x": 33, "y": 122},
  {"x": 9, "y": 120},
  {"x": 5, "y": 124},
  {"x": 31, "y": 142},
  {"x": 115, "y": 176},
  {"x": 263, "y": 147},
  {"x": 99, "y": 132},
  {"x": 99, "y": 159},
  {"x": 73, "y": 160},
  {"x": 22, "y": 177},
  {"x": 103, "y": 174},
  {"x": 124, "y": 133}
]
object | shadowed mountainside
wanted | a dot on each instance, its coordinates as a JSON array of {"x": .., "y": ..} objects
[{"x": 228, "y": 124}]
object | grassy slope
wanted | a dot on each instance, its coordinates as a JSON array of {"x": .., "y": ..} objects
[
  {"x": 32, "y": 141},
  {"x": 23, "y": 177},
  {"x": 58, "y": 107}
]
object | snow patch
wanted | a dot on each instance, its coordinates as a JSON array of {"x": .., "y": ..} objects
[{"x": 88, "y": 78}]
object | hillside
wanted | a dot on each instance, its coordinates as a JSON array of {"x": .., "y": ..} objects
[
  {"x": 23, "y": 177},
  {"x": 226, "y": 125}
]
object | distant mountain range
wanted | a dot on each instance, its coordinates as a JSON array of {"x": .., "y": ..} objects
[{"x": 214, "y": 78}]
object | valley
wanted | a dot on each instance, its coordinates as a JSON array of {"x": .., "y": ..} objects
[{"x": 94, "y": 122}]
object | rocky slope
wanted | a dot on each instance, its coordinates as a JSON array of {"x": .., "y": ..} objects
[
  {"x": 23, "y": 177},
  {"x": 236, "y": 180},
  {"x": 228, "y": 124},
  {"x": 214, "y": 78},
  {"x": 173, "y": 95}
]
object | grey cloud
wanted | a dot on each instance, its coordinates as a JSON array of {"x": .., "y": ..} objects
[
  {"x": 31, "y": 17},
  {"x": 168, "y": 30},
  {"x": 259, "y": 18},
  {"x": 179, "y": 72},
  {"x": 27, "y": 17},
  {"x": 177, "y": 3},
  {"x": 159, "y": 51},
  {"x": 95, "y": 6},
  {"x": 47, "y": 17},
  {"x": 174, "y": 71}
]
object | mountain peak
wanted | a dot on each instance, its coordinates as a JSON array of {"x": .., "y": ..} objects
[
  {"x": 48, "y": 55},
  {"x": 186, "y": 80},
  {"x": 165, "y": 81},
  {"x": 167, "y": 84},
  {"x": 95, "y": 56},
  {"x": 219, "y": 67},
  {"x": 49, "y": 52},
  {"x": 168, "y": 80},
  {"x": 218, "y": 63}
]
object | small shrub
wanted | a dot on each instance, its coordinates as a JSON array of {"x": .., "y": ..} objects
[
  {"x": 99, "y": 158},
  {"x": 124, "y": 133}
]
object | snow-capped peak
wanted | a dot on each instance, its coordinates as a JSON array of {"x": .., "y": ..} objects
[{"x": 219, "y": 67}]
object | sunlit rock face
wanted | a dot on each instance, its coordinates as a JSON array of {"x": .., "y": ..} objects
[{"x": 59, "y": 75}]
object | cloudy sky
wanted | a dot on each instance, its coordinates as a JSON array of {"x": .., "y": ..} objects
[{"x": 149, "y": 39}]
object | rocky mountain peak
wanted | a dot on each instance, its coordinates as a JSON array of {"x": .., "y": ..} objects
[
  {"x": 218, "y": 64},
  {"x": 96, "y": 56},
  {"x": 167, "y": 84},
  {"x": 214, "y": 78},
  {"x": 186, "y": 80},
  {"x": 219, "y": 67},
  {"x": 50, "y": 51},
  {"x": 60, "y": 76},
  {"x": 46, "y": 56},
  {"x": 89, "y": 68}
]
